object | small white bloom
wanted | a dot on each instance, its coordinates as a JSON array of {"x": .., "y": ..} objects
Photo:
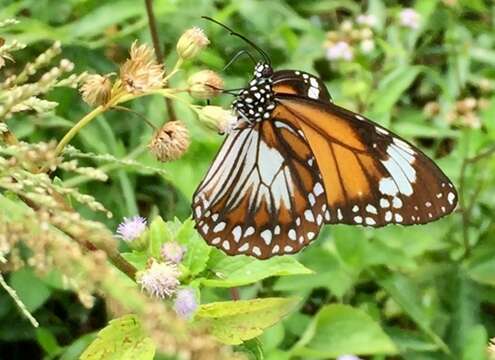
[
  {"x": 410, "y": 18},
  {"x": 185, "y": 303},
  {"x": 160, "y": 279},
  {"x": 348, "y": 357},
  {"x": 340, "y": 51},
  {"x": 131, "y": 228},
  {"x": 367, "y": 46},
  {"x": 173, "y": 252},
  {"x": 367, "y": 20}
]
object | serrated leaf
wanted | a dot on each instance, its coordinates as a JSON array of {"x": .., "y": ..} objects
[
  {"x": 233, "y": 322},
  {"x": 121, "y": 339},
  {"x": 341, "y": 329},
  {"x": 242, "y": 270}
]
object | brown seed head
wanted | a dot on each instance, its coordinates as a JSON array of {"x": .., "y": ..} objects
[
  {"x": 191, "y": 43},
  {"x": 205, "y": 84},
  {"x": 141, "y": 71},
  {"x": 170, "y": 142},
  {"x": 96, "y": 89}
]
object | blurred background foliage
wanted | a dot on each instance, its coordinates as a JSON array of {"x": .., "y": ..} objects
[{"x": 430, "y": 287}]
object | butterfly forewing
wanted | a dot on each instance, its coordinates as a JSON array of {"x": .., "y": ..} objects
[
  {"x": 263, "y": 195},
  {"x": 300, "y": 83},
  {"x": 372, "y": 176}
]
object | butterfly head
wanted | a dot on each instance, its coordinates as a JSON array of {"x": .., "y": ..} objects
[{"x": 256, "y": 101}]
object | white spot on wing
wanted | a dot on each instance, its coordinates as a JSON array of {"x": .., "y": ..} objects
[
  {"x": 387, "y": 187},
  {"x": 267, "y": 236}
]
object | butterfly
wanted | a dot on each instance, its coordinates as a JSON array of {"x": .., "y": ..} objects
[{"x": 296, "y": 161}]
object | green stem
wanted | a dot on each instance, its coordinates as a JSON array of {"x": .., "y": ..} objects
[{"x": 75, "y": 129}]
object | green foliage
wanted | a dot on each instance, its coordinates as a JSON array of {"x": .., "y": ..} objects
[
  {"x": 341, "y": 329},
  {"x": 122, "y": 338},
  {"x": 233, "y": 322}
]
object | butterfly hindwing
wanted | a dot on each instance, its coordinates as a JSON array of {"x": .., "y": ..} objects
[
  {"x": 263, "y": 194},
  {"x": 372, "y": 176}
]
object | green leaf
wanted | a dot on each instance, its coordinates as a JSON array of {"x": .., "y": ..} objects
[
  {"x": 47, "y": 341},
  {"x": 158, "y": 233},
  {"x": 341, "y": 329},
  {"x": 233, "y": 322},
  {"x": 391, "y": 89},
  {"x": 475, "y": 344},
  {"x": 198, "y": 251},
  {"x": 242, "y": 270},
  {"x": 405, "y": 293},
  {"x": 122, "y": 339},
  {"x": 31, "y": 290}
]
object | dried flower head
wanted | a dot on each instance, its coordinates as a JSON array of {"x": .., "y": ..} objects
[
  {"x": 205, "y": 84},
  {"x": 170, "y": 142},
  {"x": 339, "y": 51},
  {"x": 431, "y": 108},
  {"x": 96, "y": 89},
  {"x": 173, "y": 252},
  {"x": 159, "y": 279},
  {"x": 131, "y": 228},
  {"x": 410, "y": 18},
  {"x": 185, "y": 303},
  {"x": 218, "y": 118},
  {"x": 141, "y": 71},
  {"x": 191, "y": 43}
]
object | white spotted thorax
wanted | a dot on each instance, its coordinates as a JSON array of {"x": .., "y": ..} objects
[{"x": 256, "y": 102}]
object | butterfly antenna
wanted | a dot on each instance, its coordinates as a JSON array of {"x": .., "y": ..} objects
[
  {"x": 237, "y": 56},
  {"x": 232, "y": 32}
]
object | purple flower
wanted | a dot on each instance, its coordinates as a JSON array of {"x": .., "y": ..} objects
[
  {"x": 348, "y": 357},
  {"x": 340, "y": 50},
  {"x": 185, "y": 303},
  {"x": 131, "y": 228},
  {"x": 173, "y": 252},
  {"x": 160, "y": 279},
  {"x": 410, "y": 18}
]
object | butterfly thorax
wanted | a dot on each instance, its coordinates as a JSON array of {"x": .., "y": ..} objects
[{"x": 256, "y": 102}]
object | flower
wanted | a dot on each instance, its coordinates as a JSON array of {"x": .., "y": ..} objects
[
  {"x": 131, "y": 228},
  {"x": 410, "y": 18},
  {"x": 173, "y": 252},
  {"x": 170, "y": 142},
  {"x": 191, "y": 43},
  {"x": 141, "y": 71},
  {"x": 159, "y": 279},
  {"x": 218, "y": 118},
  {"x": 185, "y": 303},
  {"x": 340, "y": 50},
  {"x": 348, "y": 357},
  {"x": 367, "y": 20},
  {"x": 367, "y": 46},
  {"x": 205, "y": 84},
  {"x": 96, "y": 89}
]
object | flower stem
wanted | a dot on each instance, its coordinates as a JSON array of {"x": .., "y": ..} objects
[{"x": 75, "y": 129}]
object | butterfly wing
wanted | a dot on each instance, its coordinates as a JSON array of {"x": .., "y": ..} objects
[
  {"x": 300, "y": 83},
  {"x": 371, "y": 176},
  {"x": 263, "y": 194}
]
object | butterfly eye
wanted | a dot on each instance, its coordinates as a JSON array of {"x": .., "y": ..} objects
[{"x": 267, "y": 71}]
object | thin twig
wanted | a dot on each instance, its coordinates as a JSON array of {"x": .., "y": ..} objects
[
  {"x": 234, "y": 293},
  {"x": 141, "y": 116},
  {"x": 158, "y": 52},
  {"x": 18, "y": 302}
]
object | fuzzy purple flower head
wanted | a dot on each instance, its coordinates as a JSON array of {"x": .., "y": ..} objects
[
  {"x": 173, "y": 252},
  {"x": 185, "y": 303},
  {"x": 410, "y": 18},
  {"x": 160, "y": 279},
  {"x": 131, "y": 228}
]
